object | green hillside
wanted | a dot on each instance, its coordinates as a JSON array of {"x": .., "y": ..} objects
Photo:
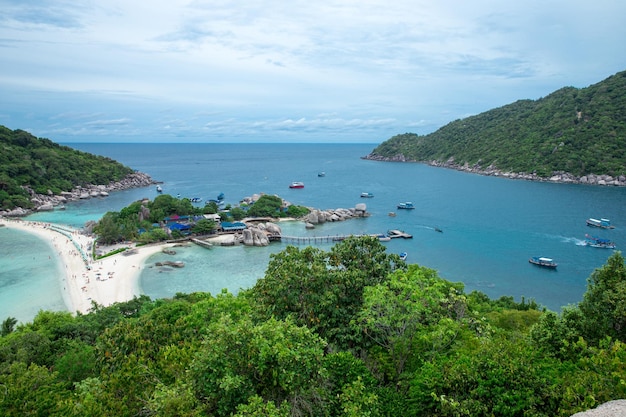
[
  {"x": 578, "y": 131},
  {"x": 44, "y": 165}
]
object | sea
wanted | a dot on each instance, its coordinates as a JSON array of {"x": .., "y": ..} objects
[{"x": 474, "y": 229}]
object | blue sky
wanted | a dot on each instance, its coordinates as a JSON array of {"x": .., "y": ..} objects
[{"x": 299, "y": 71}]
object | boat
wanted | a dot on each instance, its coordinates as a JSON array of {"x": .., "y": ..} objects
[
  {"x": 394, "y": 233},
  {"x": 543, "y": 261},
  {"x": 296, "y": 184},
  {"x": 407, "y": 205},
  {"x": 596, "y": 242},
  {"x": 367, "y": 195},
  {"x": 403, "y": 256},
  {"x": 321, "y": 174},
  {"x": 382, "y": 237},
  {"x": 159, "y": 189},
  {"x": 602, "y": 223},
  {"x": 196, "y": 199}
]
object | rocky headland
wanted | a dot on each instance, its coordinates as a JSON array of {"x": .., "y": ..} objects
[
  {"x": 556, "y": 177},
  {"x": 51, "y": 201}
]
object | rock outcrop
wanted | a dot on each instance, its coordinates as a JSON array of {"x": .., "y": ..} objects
[
  {"x": 259, "y": 234},
  {"x": 49, "y": 201},
  {"x": 615, "y": 408},
  {"x": 317, "y": 216},
  {"x": 558, "y": 177}
]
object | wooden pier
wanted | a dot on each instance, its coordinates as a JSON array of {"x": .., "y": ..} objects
[
  {"x": 202, "y": 243},
  {"x": 304, "y": 240}
]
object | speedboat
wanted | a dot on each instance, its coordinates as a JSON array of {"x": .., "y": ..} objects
[
  {"x": 196, "y": 199},
  {"x": 543, "y": 261},
  {"x": 321, "y": 174},
  {"x": 406, "y": 206},
  {"x": 367, "y": 195},
  {"x": 596, "y": 242},
  {"x": 159, "y": 189},
  {"x": 403, "y": 255},
  {"x": 296, "y": 184}
]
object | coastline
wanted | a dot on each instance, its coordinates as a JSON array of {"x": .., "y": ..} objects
[
  {"x": 105, "y": 281},
  {"x": 492, "y": 171}
]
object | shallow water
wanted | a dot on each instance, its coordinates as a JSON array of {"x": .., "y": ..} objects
[{"x": 491, "y": 226}]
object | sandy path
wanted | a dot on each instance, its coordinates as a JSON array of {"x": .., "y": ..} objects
[{"x": 106, "y": 281}]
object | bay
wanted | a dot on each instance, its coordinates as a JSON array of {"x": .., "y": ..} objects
[{"x": 491, "y": 225}]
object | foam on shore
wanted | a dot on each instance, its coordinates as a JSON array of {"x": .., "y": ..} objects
[{"x": 106, "y": 281}]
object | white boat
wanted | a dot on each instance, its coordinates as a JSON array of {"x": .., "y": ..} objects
[
  {"x": 543, "y": 261},
  {"x": 601, "y": 223},
  {"x": 296, "y": 184},
  {"x": 406, "y": 206},
  {"x": 403, "y": 256},
  {"x": 367, "y": 195},
  {"x": 159, "y": 189}
]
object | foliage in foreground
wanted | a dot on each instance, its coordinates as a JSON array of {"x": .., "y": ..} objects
[{"x": 349, "y": 332}]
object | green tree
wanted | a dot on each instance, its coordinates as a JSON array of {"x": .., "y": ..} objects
[
  {"x": 603, "y": 307},
  {"x": 275, "y": 360},
  {"x": 323, "y": 290},
  {"x": 8, "y": 325},
  {"x": 413, "y": 316}
]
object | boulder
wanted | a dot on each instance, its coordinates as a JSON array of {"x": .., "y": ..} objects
[
  {"x": 45, "y": 207},
  {"x": 610, "y": 409}
]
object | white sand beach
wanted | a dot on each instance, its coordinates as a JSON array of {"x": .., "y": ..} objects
[{"x": 106, "y": 281}]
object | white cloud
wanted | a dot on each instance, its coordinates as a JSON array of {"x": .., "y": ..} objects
[{"x": 224, "y": 70}]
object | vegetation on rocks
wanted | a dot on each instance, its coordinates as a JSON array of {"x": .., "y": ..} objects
[
  {"x": 352, "y": 331},
  {"x": 576, "y": 131},
  {"x": 29, "y": 163}
]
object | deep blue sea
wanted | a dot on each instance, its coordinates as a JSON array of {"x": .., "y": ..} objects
[{"x": 491, "y": 226}]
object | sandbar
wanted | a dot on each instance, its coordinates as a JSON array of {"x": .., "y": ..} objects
[{"x": 105, "y": 281}]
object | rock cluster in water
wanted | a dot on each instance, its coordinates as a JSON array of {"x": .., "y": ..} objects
[
  {"x": 259, "y": 234},
  {"x": 50, "y": 201},
  {"x": 558, "y": 177},
  {"x": 335, "y": 215}
]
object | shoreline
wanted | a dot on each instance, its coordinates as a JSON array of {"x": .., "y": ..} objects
[{"x": 105, "y": 281}]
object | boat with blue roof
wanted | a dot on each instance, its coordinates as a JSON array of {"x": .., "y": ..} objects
[
  {"x": 543, "y": 261},
  {"x": 597, "y": 242}
]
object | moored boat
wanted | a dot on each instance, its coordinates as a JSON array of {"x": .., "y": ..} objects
[
  {"x": 367, "y": 195},
  {"x": 159, "y": 189},
  {"x": 407, "y": 205},
  {"x": 597, "y": 242},
  {"x": 395, "y": 233},
  {"x": 403, "y": 255},
  {"x": 601, "y": 223},
  {"x": 321, "y": 174},
  {"x": 543, "y": 261},
  {"x": 296, "y": 184}
]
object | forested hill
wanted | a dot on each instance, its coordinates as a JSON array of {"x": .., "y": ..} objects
[
  {"x": 43, "y": 165},
  {"x": 577, "y": 131}
]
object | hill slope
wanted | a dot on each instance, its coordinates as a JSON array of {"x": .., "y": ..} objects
[
  {"x": 578, "y": 131},
  {"x": 35, "y": 165}
]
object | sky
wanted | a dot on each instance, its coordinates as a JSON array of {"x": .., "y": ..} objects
[{"x": 299, "y": 71}]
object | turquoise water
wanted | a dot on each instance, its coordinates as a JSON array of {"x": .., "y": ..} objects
[{"x": 491, "y": 226}]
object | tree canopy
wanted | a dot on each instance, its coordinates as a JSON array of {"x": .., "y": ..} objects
[
  {"x": 579, "y": 131},
  {"x": 350, "y": 332}
]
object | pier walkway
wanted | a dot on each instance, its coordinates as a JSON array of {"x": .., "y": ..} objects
[{"x": 304, "y": 240}]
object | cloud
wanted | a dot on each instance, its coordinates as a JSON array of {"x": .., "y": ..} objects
[{"x": 257, "y": 70}]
